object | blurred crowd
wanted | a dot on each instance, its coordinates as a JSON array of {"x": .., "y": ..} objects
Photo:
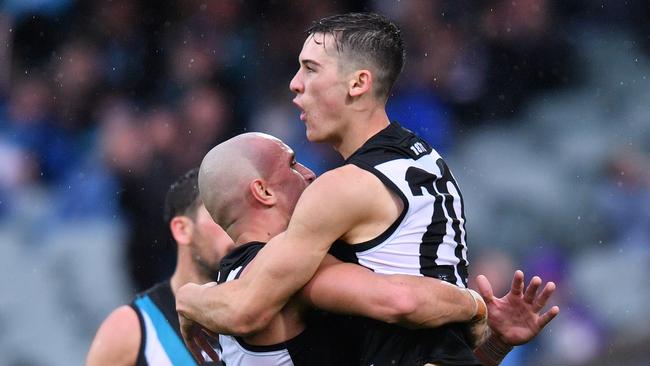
[{"x": 543, "y": 108}]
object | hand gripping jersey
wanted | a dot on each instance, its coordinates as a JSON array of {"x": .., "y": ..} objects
[
  {"x": 427, "y": 239},
  {"x": 161, "y": 343},
  {"x": 315, "y": 346}
]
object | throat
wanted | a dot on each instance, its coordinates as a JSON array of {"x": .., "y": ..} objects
[{"x": 358, "y": 134}]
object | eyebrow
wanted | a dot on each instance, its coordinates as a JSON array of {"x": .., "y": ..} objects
[{"x": 308, "y": 62}]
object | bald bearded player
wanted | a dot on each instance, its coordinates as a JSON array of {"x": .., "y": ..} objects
[{"x": 254, "y": 203}]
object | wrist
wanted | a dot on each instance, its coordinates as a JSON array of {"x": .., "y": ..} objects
[
  {"x": 497, "y": 342},
  {"x": 496, "y": 348},
  {"x": 493, "y": 351},
  {"x": 480, "y": 309}
]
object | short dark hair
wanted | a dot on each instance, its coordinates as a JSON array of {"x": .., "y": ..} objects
[
  {"x": 182, "y": 198},
  {"x": 368, "y": 38}
]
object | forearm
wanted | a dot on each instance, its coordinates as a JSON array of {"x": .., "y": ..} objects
[
  {"x": 411, "y": 301},
  {"x": 435, "y": 302},
  {"x": 206, "y": 306},
  {"x": 244, "y": 306},
  {"x": 493, "y": 351}
]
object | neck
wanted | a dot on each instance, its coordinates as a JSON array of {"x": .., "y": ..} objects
[
  {"x": 361, "y": 127},
  {"x": 187, "y": 270},
  {"x": 257, "y": 226}
]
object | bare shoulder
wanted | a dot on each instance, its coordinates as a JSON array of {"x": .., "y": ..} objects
[
  {"x": 340, "y": 189},
  {"x": 348, "y": 179},
  {"x": 358, "y": 186},
  {"x": 122, "y": 319},
  {"x": 353, "y": 204},
  {"x": 117, "y": 340}
]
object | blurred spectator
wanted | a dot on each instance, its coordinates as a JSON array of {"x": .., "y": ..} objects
[
  {"x": 625, "y": 198},
  {"x": 6, "y": 45},
  {"x": 526, "y": 53},
  {"x": 206, "y": 119},
  {"x": 18, "y": 8},
  {"x": 416, "y": 101},
  {"x": 119, "y": 29},
  {"x": 129, "y": 152},
  {"x": 77, "y": 77},
  {"x": 438, "y": 72},
  {"x": 29, "y": 123}
]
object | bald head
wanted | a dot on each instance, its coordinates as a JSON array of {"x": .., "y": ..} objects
[{"x": 227, "y": 170}]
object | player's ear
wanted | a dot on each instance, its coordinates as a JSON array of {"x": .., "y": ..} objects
[
  {"x": 182, "y": 228},
  {"x": 360, "y": 83},
  {"x": 262, "y": 193}
]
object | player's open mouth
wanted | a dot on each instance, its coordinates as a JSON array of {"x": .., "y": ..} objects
[{"x": 303, "y": 115}]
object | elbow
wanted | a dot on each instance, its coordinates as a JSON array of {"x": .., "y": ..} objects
[
  {"x": 242, "y": 326},
  {"x": 402, "y": 305},
  {"x": 245, "y": 321}
]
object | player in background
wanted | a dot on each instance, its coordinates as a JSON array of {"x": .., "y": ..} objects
[{"x": 147, "y": 332}]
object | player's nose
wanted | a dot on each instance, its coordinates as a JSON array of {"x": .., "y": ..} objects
[
  {"x": 307, "y": 173},
  {"x": 296, "y": 85}
]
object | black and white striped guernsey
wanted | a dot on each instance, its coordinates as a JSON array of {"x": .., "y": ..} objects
[{"x": 427, "y": 239}]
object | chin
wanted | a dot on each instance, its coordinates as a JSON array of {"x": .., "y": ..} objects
[
  {"x": 310, "y": 136},
  {"x": 313, "y": 136}
]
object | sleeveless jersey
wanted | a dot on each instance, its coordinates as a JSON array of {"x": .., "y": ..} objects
[
  {"x": 314, "y": 346},
  {"x": 161, "y": 342},
  {"x": 427, "y": 239}
]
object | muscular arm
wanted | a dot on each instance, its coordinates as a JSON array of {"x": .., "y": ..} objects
[
  {"x": 117, "y": 341},
  {"x": 410, "y": 301},
  {"x": 327, "y": 209}
]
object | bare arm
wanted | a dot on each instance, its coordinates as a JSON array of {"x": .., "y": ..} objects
[
  {"x": 325, "y": 211},
  {"x": 515, "y": 318},
  {"x": 117, "y": 341},
  {"x": 410, "y": 301}
]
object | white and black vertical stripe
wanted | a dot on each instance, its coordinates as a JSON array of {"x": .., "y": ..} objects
[{"x": 429, "y": 238}]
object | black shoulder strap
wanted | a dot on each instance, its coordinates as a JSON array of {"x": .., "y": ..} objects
[
  {"x": 392, "y": 142},
  {"x": 239, "y": 256},
  {"x": 141, "y": 360}
]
